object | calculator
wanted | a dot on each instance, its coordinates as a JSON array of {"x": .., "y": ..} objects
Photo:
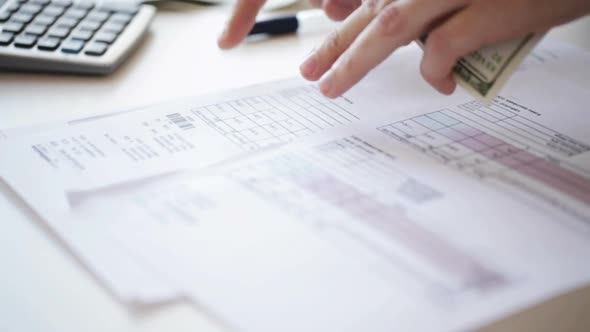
[{"x": 73, "y": 36}]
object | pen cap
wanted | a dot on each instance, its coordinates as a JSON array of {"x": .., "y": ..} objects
[{"x": 276, "y": 26}]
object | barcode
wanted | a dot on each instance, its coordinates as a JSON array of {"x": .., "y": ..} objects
[{"x": 180, "y": 121}]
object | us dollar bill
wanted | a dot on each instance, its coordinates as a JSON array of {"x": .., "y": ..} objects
[{"x": 483, "y": 73}]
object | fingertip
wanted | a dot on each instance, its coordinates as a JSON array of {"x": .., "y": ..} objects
[
  {"x": 446, "y": 86},
  {"x": 339, "y": 10},
  {"x": 327, "y": 87},
  {"x": 309, "y": 68}
]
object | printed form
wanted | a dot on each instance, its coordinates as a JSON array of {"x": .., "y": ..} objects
[
  {"x": 54, "y": 166},
  {"x": 448, "y": 215},
  {"x": 395, "y": 203}
]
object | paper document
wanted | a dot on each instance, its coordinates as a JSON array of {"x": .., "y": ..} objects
[
  {"x": 461, "y": 213},
  {"x": 55, "y": 166},
  {"x": 391, "y": 203}
]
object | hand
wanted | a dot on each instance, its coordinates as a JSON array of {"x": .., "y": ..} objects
[
  {"x": 454, "y": 28},
  {"x": 245, "y": 11}
]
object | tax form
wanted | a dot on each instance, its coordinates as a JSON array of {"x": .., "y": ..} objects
[
  {"x": 439, "y": 218},
  {"x": 64, "y": 171},
  {"x": 53, "y": 167}
]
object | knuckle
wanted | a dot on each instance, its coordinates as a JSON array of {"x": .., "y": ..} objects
[
  {"x": 371, "y": 7},
  {"x": 391, "y": 21},
  {"x": 333, "y": 41},
  {"x": 440, "y": 42}
]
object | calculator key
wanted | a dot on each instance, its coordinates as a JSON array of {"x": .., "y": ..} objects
[
  {"x": 62, "y": 3},
  {"x": 76, "y": 13},
  {"x": 25, "y": 41},
  {"x": 97, "y": 16},
  {"x": 113, "y": 27},
  {"x": 22, "y": 17},
  {"x": 105, "y": 37},
  {"x": 121, "y": 18},
  {"x": 14, "y": 27},
  {"x": 90, "y": 25},
  {"x": 67, "y": 22},
  {"x": 44, "y": 20},
  {"x": 6, "y": 38},
  {"x": 86, "y": 5},
  {"x": 31, "y": 8},
  {"x": 54, "y": 10},
  {"x": 59, "y": 32},
  {"x": 124, "y": 8},
  {"x": 84, "y": 35},
  {"x": 12, "y": 7},
  {"x": 36, "y": 30},
  {"x": 48, "y": 43},
  {"x": 72, "y": 46},
  {"x": 5, "y": 15},
  {"x": 40, "y": 2},
  {"x": 96, "y": 48}
]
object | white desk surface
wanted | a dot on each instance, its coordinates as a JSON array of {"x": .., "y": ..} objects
[{"x": 42, "y": 288}]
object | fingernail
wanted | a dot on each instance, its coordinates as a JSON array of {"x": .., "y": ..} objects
[
  {"x": 327, "y": 86},
  {"x": 309, "y": 66}
]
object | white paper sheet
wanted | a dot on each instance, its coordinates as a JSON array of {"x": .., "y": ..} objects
[
  {"x": 435, "y": 218},
  {"x": 55, "y": 166},
  {"x": 60, "y": 167}
]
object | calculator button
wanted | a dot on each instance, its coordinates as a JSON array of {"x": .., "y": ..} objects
[
  {"x": 44, "y": 20},
  {"x": 31, "y": 8},
  {"x": 6, "y": 38},
  {"x": 59, "y": 32},
  {"x": 5, "y": 15},
  {"x": 25, "y": 41},
  {"x": 121, "y": 18},
  {"x": 122, "y": 8},
  {"x": 72, "y": 46},
  {"x": 106, "y": 37},
  {"x": 75, "y": 13},
  {"x": 62, "y": 3},
  {"x": 48, "y": 43},
  {"x": 12, "y": 26},
  {"x": 36, "y": 30},
  {"x": 86, "y": 5},
  {"x": 22, "y": 17},
  {"x": 96, "y": 48},
  {"x": 12, "y": 7},
  {"x": 54, "y": 10},
  {"x": 40, "y": 2},
  {"x": 84, "y": 35},
  {"x": 97, "y": 16},
  {"x": 67, "y": 22},
  {"x": 113, "y": 27},
  {"x": 90, "y": 25}
]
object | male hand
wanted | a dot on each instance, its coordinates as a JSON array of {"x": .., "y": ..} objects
[
  {"x": 454, "y": 27},
  {"x": 245, "y": 11}
]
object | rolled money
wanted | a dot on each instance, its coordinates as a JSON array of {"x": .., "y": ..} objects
[{"x": 483, "y": 73}]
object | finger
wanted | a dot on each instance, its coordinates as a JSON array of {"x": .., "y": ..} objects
[
  {"x": 315, "y": 3},
  {"x": 338, "y": 10},
  {"x": 396, "y": 25},
  {"x": 338, "y": 41},
  {"x": 240, "y": 23},
  {"x": 481, "y": 24}
]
